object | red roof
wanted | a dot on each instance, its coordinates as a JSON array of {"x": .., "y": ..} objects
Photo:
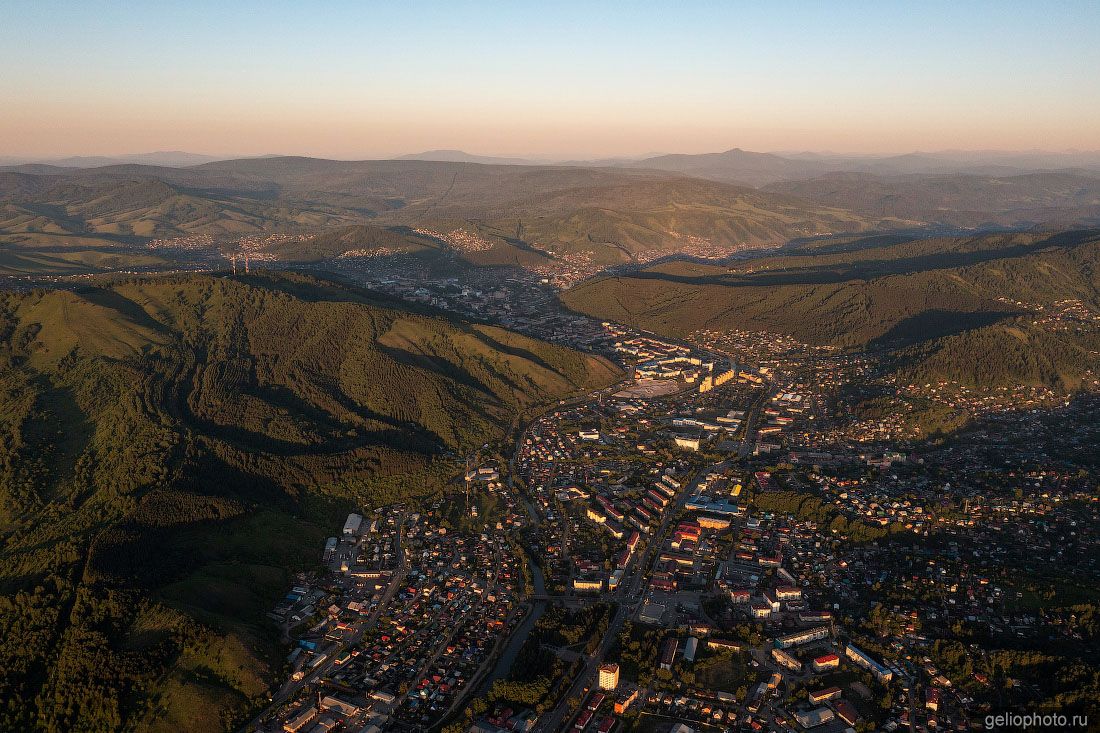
[
  {"x": 846, "y": 711},
  {"x": 825, "y": 694}
]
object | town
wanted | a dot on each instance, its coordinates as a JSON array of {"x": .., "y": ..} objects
[{"x": 728, "y": 540}]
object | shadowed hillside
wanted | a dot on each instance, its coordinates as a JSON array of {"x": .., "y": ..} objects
[
  {"x": 171, "y": 449},
  {"x": 941, "y": 293}
]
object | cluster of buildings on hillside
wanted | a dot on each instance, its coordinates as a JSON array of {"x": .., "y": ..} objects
[{"x": 399, "y": 645}]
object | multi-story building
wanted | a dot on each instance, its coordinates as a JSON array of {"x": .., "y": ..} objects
[
  {"x": 802, "y": 637},
  {"x": 609, "y": 676},
  {"x": 862, "y": 659}
]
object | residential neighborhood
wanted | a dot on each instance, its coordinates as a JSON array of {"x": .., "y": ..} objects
[{"x": 720, "y": 544}]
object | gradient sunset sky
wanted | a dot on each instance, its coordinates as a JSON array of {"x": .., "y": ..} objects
[{"x": 362, "y": 80}]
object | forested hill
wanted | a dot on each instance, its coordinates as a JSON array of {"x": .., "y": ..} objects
[
  {"x": 171, "y": 448},
  {"x": 65, "y": 220},
  {"x": 954, "y": 298}
]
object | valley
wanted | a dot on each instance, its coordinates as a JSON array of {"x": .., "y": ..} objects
[{"x": 669, "y": 399}]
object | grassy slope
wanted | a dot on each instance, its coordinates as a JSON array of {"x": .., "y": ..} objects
[
  {"x": 610, "y": 215},
  {"x": 22, "y": 259},
  {"x": 170, "y": 449},
  {"x": 614, "y": 223},
  {"x": 961, "y": 200},
  {"x": 892, "y": 296}
]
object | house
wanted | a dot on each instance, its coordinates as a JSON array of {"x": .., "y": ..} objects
[
  {"x": 667, "y": 656},
  {"x": 862, "y": 659},
  {"x": 723, "y": 645},
  {"x": 819, "y": 696},
  {"x": 301, "y": 719},
  {"x": 846, "y": 711},
  {"x": 788, "y": 593},
  {"x": 625, "y": 701},
  {"x": 760, "y": 609},
  {"x": 784, "y": 659},
  {"x": 814, "y": 718},
  {"x": 802, "y": 637}
]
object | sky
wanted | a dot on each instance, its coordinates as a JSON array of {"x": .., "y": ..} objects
[{"x": 546, "y": 79}]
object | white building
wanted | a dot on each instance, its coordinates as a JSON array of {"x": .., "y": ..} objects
[{"x": 351, "y": 526}]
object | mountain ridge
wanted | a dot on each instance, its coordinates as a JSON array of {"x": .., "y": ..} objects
[
  {"x": 173, "y": 448},
  {"x": 909, "y": 295}
]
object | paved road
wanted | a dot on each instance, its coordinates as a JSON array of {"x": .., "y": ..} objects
[
  {"x": 628, "y": 602},
  {"x": 630, "y": 592},
  {"x": 587, "y": 678},
  {"x": 292, "y": 687},
  {"x": 752, "y": 415}
]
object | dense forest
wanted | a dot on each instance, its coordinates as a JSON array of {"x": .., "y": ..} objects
[{"x": 171, "y": 449}]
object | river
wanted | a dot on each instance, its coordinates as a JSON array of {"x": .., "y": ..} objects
[{"x": 519, "y": 636}]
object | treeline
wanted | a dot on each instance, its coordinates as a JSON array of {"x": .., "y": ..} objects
[
  {"x": 809, "y": 508},
  {"x": 1067, "y": 683},
  {"x": 563, "y": 627}
]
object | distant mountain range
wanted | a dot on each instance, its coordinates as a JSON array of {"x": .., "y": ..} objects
[
  {"x": 759, "y": 169},
  {"x": 55, "y": 218},
  {"x": 172, "y": 158},
  {"x": 731, "y": 166},
  {"x": 606, "y": 215},
  {"x": 458, "y": 156},
  {"x": 964, "y": 200}
]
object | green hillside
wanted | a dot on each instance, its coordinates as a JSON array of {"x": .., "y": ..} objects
[
  {"x": 1013, "y": 351},
  {"x": 50, "y": 255},
  {"x": 648, "y": 219},
  {"x": 150, "y": 207},
  {"x": 530, "y": 214},
  {"x": 1049, "y": 197},
  {"x": 940, "y": 293},
  {"x": 170, "y": 449}
]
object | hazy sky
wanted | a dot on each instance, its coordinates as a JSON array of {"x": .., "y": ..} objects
[{"x": 359, "y": 79}]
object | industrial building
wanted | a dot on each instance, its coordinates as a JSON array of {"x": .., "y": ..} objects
[{"x": 352, "y": 524}]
